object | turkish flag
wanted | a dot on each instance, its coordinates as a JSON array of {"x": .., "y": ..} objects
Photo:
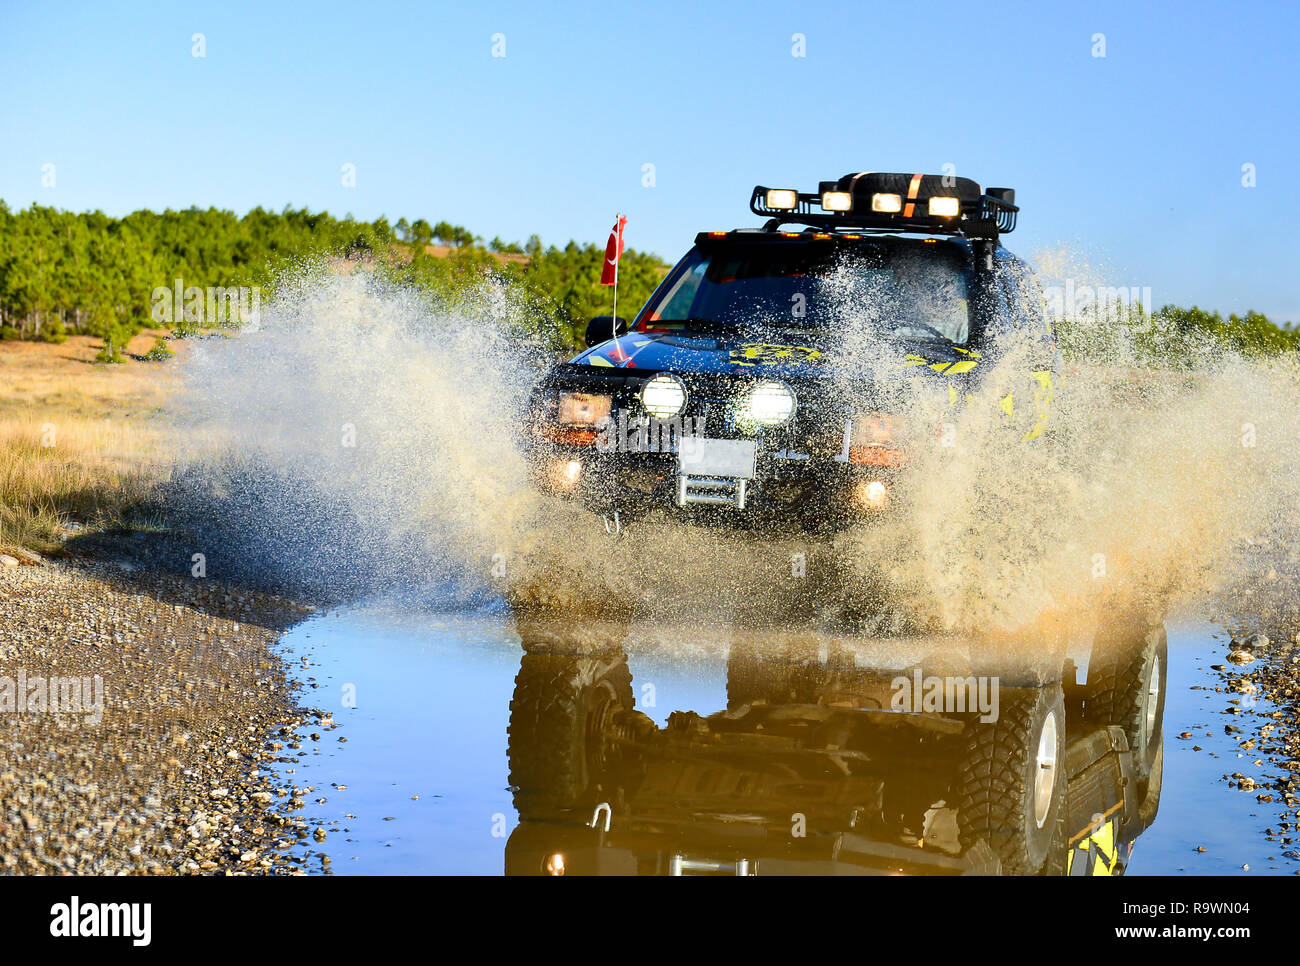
[{"x": 613, "y": 252}]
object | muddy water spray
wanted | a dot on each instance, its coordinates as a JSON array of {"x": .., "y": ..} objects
[
  {"x": 1151, "y": 484},
  {"x": 360, "y": 411},
  {"x": 385, "y": 435}
]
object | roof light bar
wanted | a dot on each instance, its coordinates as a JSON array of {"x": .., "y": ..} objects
[{"x": 883, "y": 202}]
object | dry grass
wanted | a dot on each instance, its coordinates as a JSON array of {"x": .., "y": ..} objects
[{"x": 80, "y": 443}]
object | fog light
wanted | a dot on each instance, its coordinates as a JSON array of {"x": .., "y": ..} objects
[
  {"x": 872, "y": 495},
  {"x": 770, "y": 404},
  {"x": 563, "y": 475},
  {"x": 555, "y": 864}
]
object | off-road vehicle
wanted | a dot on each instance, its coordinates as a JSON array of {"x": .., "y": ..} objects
[{"x": 772, "y": 376}]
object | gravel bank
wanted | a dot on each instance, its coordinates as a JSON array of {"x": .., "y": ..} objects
[
  {"x": 1260, "y": 609},
  {"x": 1260, "y": 666},
  {"x": 168, "y": 771}
]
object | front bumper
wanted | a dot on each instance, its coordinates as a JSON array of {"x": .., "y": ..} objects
[{"x": 784, "y": 489}]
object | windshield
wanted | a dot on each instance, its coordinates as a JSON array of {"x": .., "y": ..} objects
[{"x": 911, "y": 292}]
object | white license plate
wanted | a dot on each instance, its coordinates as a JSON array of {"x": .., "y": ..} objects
[{"x": 697, "y": 456}]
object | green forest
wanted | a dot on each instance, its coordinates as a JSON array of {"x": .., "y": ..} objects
[
  {"x": 87, "y": 273},
  {"x": 65, "y": 273}
]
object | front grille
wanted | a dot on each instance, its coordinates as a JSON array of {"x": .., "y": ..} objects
[{"x": 718, "y": 416}]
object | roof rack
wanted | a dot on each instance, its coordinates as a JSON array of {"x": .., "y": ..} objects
[{"x": 891, "y": 202}]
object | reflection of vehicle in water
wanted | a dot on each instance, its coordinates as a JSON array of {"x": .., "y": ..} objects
[{"x": 810, "y": 769}]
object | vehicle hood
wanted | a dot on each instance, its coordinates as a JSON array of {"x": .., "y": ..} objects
[{"x": 776, "y": 355}]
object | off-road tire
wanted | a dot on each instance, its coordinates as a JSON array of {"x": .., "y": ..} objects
[
  {"x": 995, "y": 781},
  {"x": 1118, "y": 693},
  {"x": 558, "y": 733},
  {"x": 1150, "y": 806}
]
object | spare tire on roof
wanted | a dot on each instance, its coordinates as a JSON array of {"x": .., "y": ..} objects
[{"x": 868, "y": 183}]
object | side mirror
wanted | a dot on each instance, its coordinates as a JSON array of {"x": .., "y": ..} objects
[{"x": 602, "y": 329}]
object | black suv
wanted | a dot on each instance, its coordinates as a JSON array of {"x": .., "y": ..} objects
[{"x": 774, "y": 374}]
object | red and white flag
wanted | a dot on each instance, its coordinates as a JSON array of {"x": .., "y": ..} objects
[{"x": 613, "y": 252}]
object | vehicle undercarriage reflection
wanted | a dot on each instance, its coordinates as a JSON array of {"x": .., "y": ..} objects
[{"x": 813, "y": 769}]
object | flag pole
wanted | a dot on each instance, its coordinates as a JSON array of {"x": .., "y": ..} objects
[{"x": 618, "y": 257}]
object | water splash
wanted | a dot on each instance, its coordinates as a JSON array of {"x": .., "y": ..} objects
[
  {"x": 1149, "y": 491},
  {"x": 369, "y": 436},
  {"x": 366, "y": 434}
]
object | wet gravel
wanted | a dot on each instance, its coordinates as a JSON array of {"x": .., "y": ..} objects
[
  {"x": 197, "y": 710},
  {"x": 1260, "y": 675},
  {"x": 1262, "y": 668}
]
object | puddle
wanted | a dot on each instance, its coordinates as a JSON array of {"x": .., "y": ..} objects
[
  {"x": 422, "y": 783},
  {"x": 1198, "y": 807}
]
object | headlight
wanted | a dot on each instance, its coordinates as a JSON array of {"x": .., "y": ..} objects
[
  {"x": 876, "y": 429},
  {"x": 664, "y": 395},
  {"x": 581, "y": 409},
  {"x": 770, "y": 403},
  {"x": 875, "y": 441}
]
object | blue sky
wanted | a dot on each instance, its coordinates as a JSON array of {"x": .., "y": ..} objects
[{"x": 1133, "y": 159}]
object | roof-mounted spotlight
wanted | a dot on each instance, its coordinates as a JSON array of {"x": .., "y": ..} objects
[
  {"x": 941, "y": 207},
  {"x": 885, "y": 203},
  {"x": 837, "y": 201},
  {"x": 782, "y": 199}
]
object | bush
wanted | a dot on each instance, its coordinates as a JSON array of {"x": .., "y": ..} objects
[
  {"x": 160, "y": 352},
  {"x": 110, "y": 353}
]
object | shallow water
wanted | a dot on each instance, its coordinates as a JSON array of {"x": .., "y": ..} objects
[{"x": 424, "y": 770}]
